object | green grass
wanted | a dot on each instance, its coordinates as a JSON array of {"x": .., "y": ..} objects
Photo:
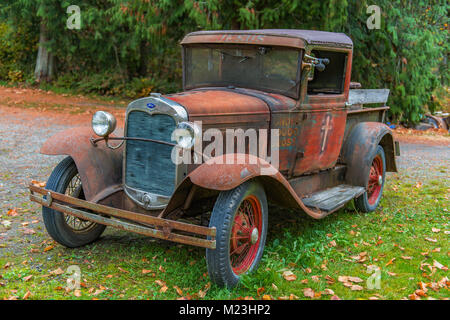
[{"x": 295, "y": 242}]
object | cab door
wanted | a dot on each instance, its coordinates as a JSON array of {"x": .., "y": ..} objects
[{"x": 323, "y": 112}]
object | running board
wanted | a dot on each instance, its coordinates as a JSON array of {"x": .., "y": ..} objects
[{"x": 331, "y": 199}]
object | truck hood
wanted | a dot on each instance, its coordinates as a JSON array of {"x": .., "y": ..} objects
[{"x": 220, "y": 105}]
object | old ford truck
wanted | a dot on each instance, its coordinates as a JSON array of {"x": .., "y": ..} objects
[{"x": 264, "y": 116}]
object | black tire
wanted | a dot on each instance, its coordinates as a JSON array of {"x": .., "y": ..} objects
[
  {"x": 223, "y": 217},
  {"x": 55, "y": 222},
  {"x": 369, "y": 201}
]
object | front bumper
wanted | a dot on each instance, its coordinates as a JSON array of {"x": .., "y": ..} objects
[{"x": 126, "y": 220}]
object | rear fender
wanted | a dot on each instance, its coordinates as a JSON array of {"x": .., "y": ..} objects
[
  {"x": 100, "y": 168},
  {"x": 359, "y": 148}
]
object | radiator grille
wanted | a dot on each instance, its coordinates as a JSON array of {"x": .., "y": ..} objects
[{"x": 149, "y": 166}]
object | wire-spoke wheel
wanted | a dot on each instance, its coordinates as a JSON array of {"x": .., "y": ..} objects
[
  {"x": 68, "y": 230},
  {"x": 370, "y": 199},
  {"x": 240, "y": 217},
  {"x": 74, "y": 189},
  {"x": 245, "y": 235}
]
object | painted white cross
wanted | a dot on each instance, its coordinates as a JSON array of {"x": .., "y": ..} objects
[{"x": 325, "y": 128}]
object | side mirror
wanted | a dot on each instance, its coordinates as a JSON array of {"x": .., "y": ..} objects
[{"x": 311, "y": 62}]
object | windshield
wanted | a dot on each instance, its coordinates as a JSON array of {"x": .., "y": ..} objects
[{"x": 273, "y": 69}]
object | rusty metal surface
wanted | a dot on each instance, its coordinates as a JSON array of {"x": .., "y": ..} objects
[
  {"x": 99, "y": 167},
  {"x": 359, "y": 148},
  {"x": 228, "y": 107},
  {"x": 221, "y": 177},
  {"x": 60, "y": 203},
  {"x": 276, "y": 37}
]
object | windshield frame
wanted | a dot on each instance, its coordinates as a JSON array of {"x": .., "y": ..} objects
[{"x": 288, "y": 92}]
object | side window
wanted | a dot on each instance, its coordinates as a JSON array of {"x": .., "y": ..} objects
[{"x": 331, "y": 80}]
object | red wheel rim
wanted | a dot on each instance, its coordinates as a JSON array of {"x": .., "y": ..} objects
[
  {"x": 375, "y": 180},
  {"x": 245, "y": 235}
]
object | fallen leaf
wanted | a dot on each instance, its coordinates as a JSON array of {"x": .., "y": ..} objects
[
  {"x": 28, "y": 231},
  {"x": 122, "y": 270},
  {"x": 178, "y": 290},
  {"x": 97, "y": 292},
  {"x": 48, "y": 248},
  {"x": 289, "y": 276},
  {"x": 77, "y": 293},
  {"x": 431, "y": 239},
  {"x": 201, "y": 294},
  {"x": 355, "y": 279},
  {"x": 145, "y": 271},
  {"x": 163, "y": 289},
  {"x": 274, "y": 287},
  {"x": 27, "y": 278},
  {"x": 439, "y": 265},
  {"x": 413, "y": 296},
  {"x": 335, "y": 297},
  {"x": 390, "y": 262},
  {"x": 308, "y": 292},
  {"x": 26, "y": 295},
  {"x": 57, "y": 271},
  {"x": 160, "y": 283},
  {"x": 356, "y": 287},
  {"x": 328, "y": 292},
  {"x": 267, "y": 297},
  {"x": 315, "y": 278},
  {"x": 332, "y": 243},
  {"x": 420, "y": 293},
  {"x": 12, "y": 212},
  {"x": 329, "y": 279},
  {"x": 259, "y": 291},
  {"x": 435, "y": 230},
  {"x": 406, "y": 258},
  {"x": 161, "y": 269},
  {"x": 38, "y": 183}
]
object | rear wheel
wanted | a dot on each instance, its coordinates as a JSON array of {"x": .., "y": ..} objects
[
  {"x": 240, "y": 217},
  {"x": 370, "y": 199},
  {"x": 68, "y": 230}
]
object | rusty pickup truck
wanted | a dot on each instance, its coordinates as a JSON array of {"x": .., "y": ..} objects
[{"x": 264, "y": 116}]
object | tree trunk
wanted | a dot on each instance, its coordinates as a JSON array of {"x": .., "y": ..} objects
[{"x": 45, "y": 61}]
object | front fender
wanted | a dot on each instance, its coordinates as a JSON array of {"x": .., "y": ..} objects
[
  {"x": 216, "y": 175},
  {"x": 359, "y": 147},
  {"x": 100, "y": 168}
]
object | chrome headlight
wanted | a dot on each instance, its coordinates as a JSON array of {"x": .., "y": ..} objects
[
  {"x": 103, "y": 123},
  {"x": 185, "y": 134}
]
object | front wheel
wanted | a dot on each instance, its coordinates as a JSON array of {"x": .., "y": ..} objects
[
  {"x": 370, "y": 199},
  {"x": 68, "y": 230},
  {"x": 240, "y": 217}
]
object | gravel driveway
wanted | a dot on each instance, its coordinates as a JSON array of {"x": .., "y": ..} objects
[{"x": 22, "y": 132}]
